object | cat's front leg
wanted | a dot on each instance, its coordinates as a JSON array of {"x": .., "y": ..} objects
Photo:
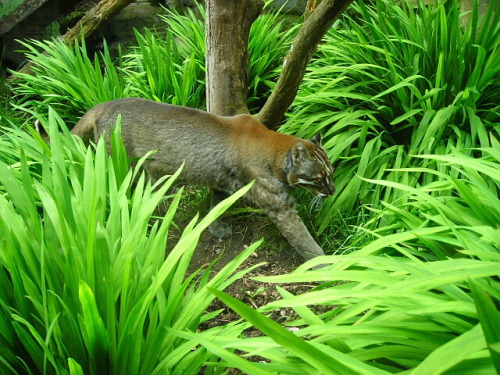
[
  {"x": 280, "y": 207},
  {"x": 294, "y": 230}
]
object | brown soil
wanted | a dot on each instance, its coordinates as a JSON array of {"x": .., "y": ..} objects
[
  {"x": 275, "y": 252},
  {"x": 279, "y": 259}
]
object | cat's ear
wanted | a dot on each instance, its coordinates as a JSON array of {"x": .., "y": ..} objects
[
  {"x": 298, "y": 150},
  {"x": 317, "y": 139},
  {"x": 299, "y": 153},
  {"x": 295, "y": 157}
]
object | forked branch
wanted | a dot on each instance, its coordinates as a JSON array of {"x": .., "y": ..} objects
[{"x": 295, "y": 64}]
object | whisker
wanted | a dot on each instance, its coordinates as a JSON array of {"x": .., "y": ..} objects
[{"x": 317, "y": 201}]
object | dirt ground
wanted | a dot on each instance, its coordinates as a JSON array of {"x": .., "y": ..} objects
[
  {"x": 247, "y": 228},
  {"x": 275, "y": 252}
]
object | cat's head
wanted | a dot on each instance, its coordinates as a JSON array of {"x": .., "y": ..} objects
[{"x": 307, "y": 166}]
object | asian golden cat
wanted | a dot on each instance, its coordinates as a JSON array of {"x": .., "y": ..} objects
[{"x": 224, "y": 153}]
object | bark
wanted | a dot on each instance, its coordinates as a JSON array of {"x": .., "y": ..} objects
[
  {"x": 295, "y": 64},
  {"x": 311, "y": 7},
  {"x": 227, "y": 28},
  {"x": 94, "y": 19},
  {"x": 89, "y": 23},
  {"x": 19, "y": 14}
]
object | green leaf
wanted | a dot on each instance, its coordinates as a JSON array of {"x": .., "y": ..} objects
[
  {"x": 312, "y": 354},
  {"x": 233, "y": 359},
  {"x": 489, "y": 317},
  {"x": 74, "y": 367},
  {"x": 405, "y": 116},
  {"x": 94, "y": 332},
  {"x": 452, "y": 353}
]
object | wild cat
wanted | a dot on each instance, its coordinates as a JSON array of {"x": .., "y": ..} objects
[{"x": 223, "y": 153}]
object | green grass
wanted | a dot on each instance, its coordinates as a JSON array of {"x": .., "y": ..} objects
[
  {"x": 157, "y": 71},
  {"x": 418, "y": 299},
  {"x": 86, "y": 284},
  {"x": 87, "y": 81},
  {"x": 408, "y": 103},
  {"x": 390, "y": 83}
]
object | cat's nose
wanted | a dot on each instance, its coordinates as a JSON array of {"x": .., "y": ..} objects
[
  {"x": 327, "y": 191},
  {"x": 330, "y": 188}
]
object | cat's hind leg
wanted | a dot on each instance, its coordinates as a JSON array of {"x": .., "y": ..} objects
[{"x": 219, "y": 228}]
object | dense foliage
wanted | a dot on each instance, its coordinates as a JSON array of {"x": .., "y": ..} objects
[
  {"x": 86, "y": 285},
  {"x": 168, "y": 68},
  {"x": 408, "y": 102},
  {"x": 394, "y": 82}
]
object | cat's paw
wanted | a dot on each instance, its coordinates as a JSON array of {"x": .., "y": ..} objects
[{"x": 220, "y": 229}]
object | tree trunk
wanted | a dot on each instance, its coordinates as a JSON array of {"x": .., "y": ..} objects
[
  {"x": 227, "y": 29},
  {"x": 89, "y": 23},
  {"x": 294, "y": 67}
]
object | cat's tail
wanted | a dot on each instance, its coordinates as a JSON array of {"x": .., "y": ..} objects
[
  {"x": 41, "y": 130},
  {"x": 84, "y": 129}
]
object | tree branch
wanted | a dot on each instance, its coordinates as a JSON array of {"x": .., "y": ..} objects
[
  {"x": 94, "y": 19},
  {"x": 294, "y": 67}
]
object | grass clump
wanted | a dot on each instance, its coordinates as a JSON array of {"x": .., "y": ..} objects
[
  {"x": 420, "y": 299},
  {"x": 168, "y": 68},
  {"x": 393, "y": 82},
  {"x": 87, "y": 81},
  {"x": 87, "y": 286}
]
